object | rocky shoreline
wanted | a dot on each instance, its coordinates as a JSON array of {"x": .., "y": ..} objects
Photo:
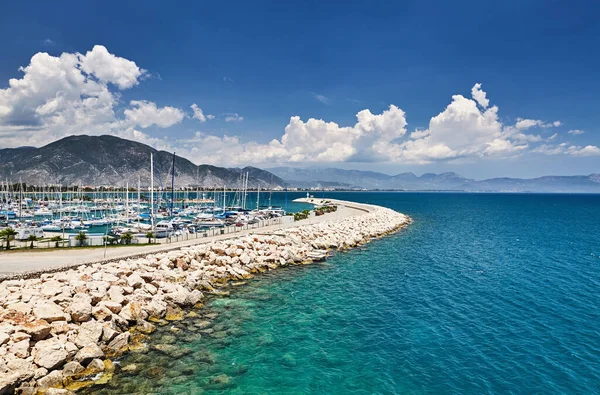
[{"x": 60, "y": 331}]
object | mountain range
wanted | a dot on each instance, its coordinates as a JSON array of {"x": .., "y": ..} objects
[
  {"x": 109, "y": 160},
  {"x": 341, "y": 178}
]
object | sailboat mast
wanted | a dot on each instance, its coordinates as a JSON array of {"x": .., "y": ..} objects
[
  {"x": 152, "y": 191},
  {"x": 173, "y": 184}
]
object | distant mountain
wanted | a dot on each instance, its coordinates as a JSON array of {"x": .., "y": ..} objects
[
  {"x": 445, "y": 181},
  {"x": 109, "y": 160},
  {"x": 369, "y": 179}
]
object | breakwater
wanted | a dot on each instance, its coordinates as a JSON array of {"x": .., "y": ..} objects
[{"x": 60, "y": 331}]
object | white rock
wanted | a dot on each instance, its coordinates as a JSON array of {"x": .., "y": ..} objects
[
  {"x": 48, "y": 311},
  {"x": 89, "y": 352},
  {"x": 49, "y": 354}
]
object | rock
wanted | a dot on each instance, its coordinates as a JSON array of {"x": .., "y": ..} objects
[
  {"x": 4, "y": 337},
  {"x": 174, "y": 314},
  {"x": 72, "y": 368},
  {"x": 101, "y": 313},
  {"x": 133, "y": 312},
  {"x": 135, "y": 280},
  {"x": 112, "y": 306},
  {"x": 116, "y": 294},
  {"x": 53, "y": 379},
  {"x": 18, "y": 336},
  {"x": 38, "y": 329},
  {"x": 120, "y": 342},
  {"x": 145, "y": 327},
  {"x": 48, "y": 311},
  {"x": 129, "y": 368},
  {"x": 8, "y": 383},
  {"x": 80, "y": 308},
  {"x": 95, "y": 366},
  {"x": 89, "y": 333},
  {"x": 49, "y": 354},
  {"x": 155, "y": 308},
  {"x": 108, "y": 333},
  {"x": 20, "y": 349},
  {"x": 23, "y": 368},
  {"x": 87, "y": 353},
  {"x": 71, "y": 349}
]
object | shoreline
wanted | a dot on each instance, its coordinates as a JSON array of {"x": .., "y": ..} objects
[{"x": 59, "y": 328}]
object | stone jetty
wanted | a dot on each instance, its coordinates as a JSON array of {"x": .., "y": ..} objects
[{"x": 60, "y": 331}]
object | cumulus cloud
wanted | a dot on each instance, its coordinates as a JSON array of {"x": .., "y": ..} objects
[
  {"x": 110, "y": 68},
  {"x": 145, "y": 114},
  {"x": 466, "y": 128},
  {"x": 73, "y": 93},
  {"x": 575, "y": 132},
  {"x": 199, "y": 114},
  {"x": 479, "y": 96},
  {"x": 70, "y": 94},
  {"x": 233, "y": 117}
]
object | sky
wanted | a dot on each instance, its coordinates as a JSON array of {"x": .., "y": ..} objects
[{"x": 484, "y": 89}]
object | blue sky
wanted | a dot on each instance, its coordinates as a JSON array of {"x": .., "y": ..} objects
[{"x": 322, "y": 62}]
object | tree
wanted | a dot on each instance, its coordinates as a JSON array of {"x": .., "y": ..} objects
[
  {"x": 81, "y": 237},
  {"x": 9, "y": 234},
  {"x": 32, "y": 238},
  {"x": 149, "y": 235},
  {"x": 127, "y": 237},
  {"x": 56, "y": 240}
]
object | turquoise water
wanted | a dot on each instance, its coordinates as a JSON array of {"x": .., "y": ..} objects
[{"x": 483, "y": 293}]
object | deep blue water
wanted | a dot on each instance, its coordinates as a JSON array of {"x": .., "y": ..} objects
[{"x": 483, "y": 293}]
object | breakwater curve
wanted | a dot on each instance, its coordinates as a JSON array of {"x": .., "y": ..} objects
[{"x": 60, "y": 331}]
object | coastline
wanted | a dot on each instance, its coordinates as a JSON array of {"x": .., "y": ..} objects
[{"x": 59, "y": 329}]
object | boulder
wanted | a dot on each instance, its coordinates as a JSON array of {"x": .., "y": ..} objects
[
  {"x": 135, "y": 280},
  {"x": 120, "y": 342},
  {"x": 88, "y": 333},
  {"x": 49, "y": 354},
  {"x": 80, "y": 308},
  {"x": 48, "y": 311},
  {"x": 72, "y": 368},
  {"x": 20, "y": 349},
  {"x": 95, "y": 366},
  {"x": 101, "y": 313},
  {"x": 133, "y": 312},
  {"x": 52, "y": 379},
  {"x": 87, "y": 353},
  {"x": 115, "y": 293},
  {"x": 8, "y": 383},
  {"x": 112, "y": 306},
  {"x": 4, "y": 337},
  {"x": 38, "y": 329}
]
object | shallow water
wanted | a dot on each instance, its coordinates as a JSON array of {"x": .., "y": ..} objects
[{"x": 483, "y": 293}]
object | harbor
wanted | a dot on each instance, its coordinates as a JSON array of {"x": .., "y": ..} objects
[{"x": 66, "y": 327}]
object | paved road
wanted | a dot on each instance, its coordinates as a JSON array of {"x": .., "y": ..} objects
[{"x": 22, "y": 261}]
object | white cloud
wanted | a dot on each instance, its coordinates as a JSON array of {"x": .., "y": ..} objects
[
  {"x": 76, "y": 94},
  {"x": 524, "y": 124},
  {"x": 479, "y": 96},
  {"x": 145, "y": 114},
  {"x": 575, "y": 132},
  {"x": 110, "y": 68},
  {"x": 199, "y": 114},
  {"x": 555, "y": 135},
  {"x": 233, "y": 117},
  {"x": 564, "y": 148}
]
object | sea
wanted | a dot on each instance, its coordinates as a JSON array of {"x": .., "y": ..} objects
[{"x": 481, "y": 294}]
